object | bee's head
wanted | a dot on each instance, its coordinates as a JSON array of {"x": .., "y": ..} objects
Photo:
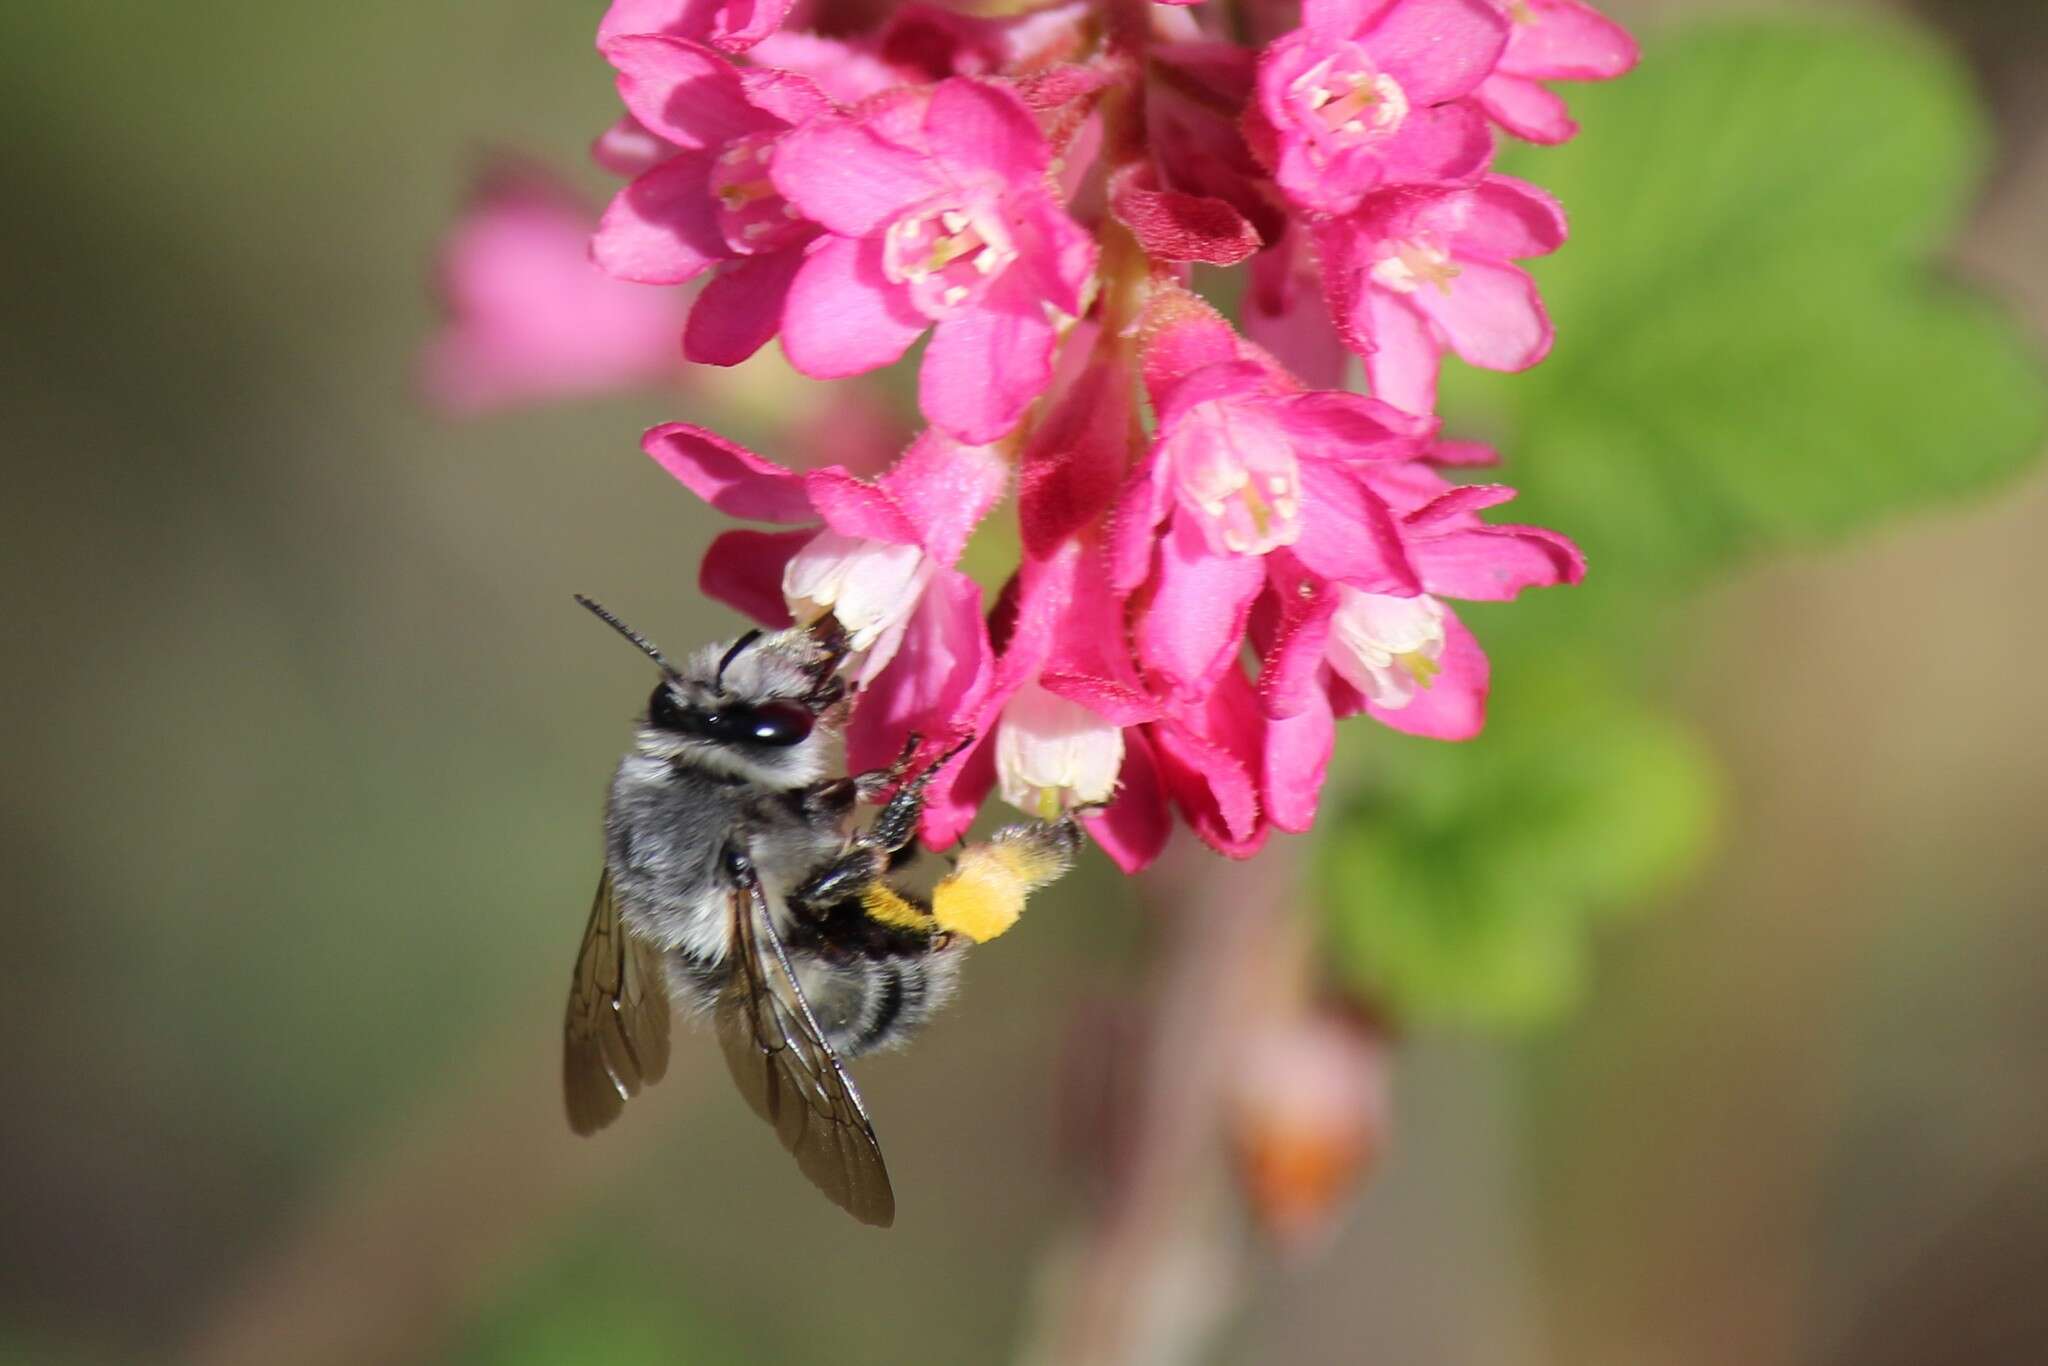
[{"x": 763, "y": 708}]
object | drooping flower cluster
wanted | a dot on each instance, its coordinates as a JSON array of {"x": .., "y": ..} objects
[{"x": 1221, "y": 549}]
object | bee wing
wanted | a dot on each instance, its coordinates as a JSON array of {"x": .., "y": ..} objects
[
  {"x": 615, "y": 1039},
  {"x": 791, "y": 1076}
]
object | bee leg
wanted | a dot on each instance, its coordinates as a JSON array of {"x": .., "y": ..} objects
[
  {"x": 985, "y": 892},
  {"x": 843, "y": 879},
  {"x": 876, "y": 781},
  {"x": 875, "y": 850}
]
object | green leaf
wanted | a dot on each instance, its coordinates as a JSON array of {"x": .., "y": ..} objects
[
  {"x": 1457, "y": 883},
  {"x": 1755, "y": 348}
]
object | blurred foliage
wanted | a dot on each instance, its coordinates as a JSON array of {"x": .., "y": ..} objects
[
  {"x": 1754, "y": 353},
  {"x": 1484, "y": 860},
  {"x": 595, "y": 1310}
]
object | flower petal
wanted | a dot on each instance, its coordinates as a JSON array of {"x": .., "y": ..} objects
[
  {"x": 1209, "y": 760},
  {"x": 743, "y": 569},
  {"x": 973, "y": 128},
  {"x": 1342, "y": 426},
  {"x": 984, "y": 367},
  {"x": 1140, "y": 508},
  {"x": 954, "y": 798},
  {"x": 1291, "y": 663},
  {"x": 945, "y": 488},
  {"x": 1134, "y": 827},
  {"x": 944, "y": 657},
  {"x": 1492, "y": 316},
  {"x": 1569, "y": 41},
  {"x": 740, "y": 308},
  {"x": 1405, "y": 356},
  {"x": 662, "y": 229},
  {"x": 727, "y": 475},
  {"x": 842, "y": 317},
  {"x": 1445, "y": 142},
  {"x": 683, "y": 18},
  {"x": 1437, "y": 49},
  {"x": 1525, "y": 109},
  {"x": 1068, "y": 477},
  {"x": 1507, "y": 218},
  {"x": 845, "y": 176},
  {"x": 1174, "y": 226},
  {"x": 1294, "y": 762},
  {"x": 1190, "y": 631},
  {"x": 1348, "y": 534},
  {"x": 682, "y": 91},
  {"x": 854, "y": 507},
  {"x": 1495, "y": 563}
]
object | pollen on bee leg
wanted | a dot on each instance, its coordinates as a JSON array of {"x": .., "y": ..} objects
[
  {"x": 885, "y": 905},
  {"x": 984, "y": 894}
]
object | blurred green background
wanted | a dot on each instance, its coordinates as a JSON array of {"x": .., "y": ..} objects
[{"x": 308, "y": 747}]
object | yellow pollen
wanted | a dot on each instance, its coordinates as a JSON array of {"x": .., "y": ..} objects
[
  {"x": 1430, "y": 268},
  {"x": 1420, "y": 666},
  {"x": 1344, "y": 108},
  {"x": 1048, "y": 804},
  {"x": 946, "y": 250},
  {"x": 1262, "y": 514},
  {"x": 1520, "y": 13},
  {"x": 742, "y": 193}
]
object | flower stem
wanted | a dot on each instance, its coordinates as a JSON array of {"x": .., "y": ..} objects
[{"x": 1152, "y": 1272}]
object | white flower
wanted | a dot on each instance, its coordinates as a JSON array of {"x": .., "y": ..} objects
[
  {"x": 871, "y": 587},
  {"x": 1053, "y": 754},
  {"x": 1386, "y": 647}
]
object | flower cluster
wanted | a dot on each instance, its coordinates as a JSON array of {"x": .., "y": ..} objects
[{"x": 1221, "y": 549}]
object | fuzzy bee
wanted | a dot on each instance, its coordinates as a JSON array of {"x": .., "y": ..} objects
[{"x": 736, "y": 884}]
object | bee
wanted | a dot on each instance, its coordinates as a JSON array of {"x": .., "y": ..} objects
[{"x": 738, "y": 885}]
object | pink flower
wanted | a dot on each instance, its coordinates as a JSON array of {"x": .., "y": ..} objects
[
  {"x": 882, "y": 563},
  {"x": 529, "y": 318},
  {"x": 1417, "y": 270},
  {"x": 1332, "y": 648},
  {"x": 704, "y": 130},
  {"x": 937, "y": 216},
  {"x": 1550, "y": 40},
  {"x": 733, "y": 25},
  {"x": 1065, "y": 711},
  {"x": 1243, "y": 463},
  {"x": 1368, "y": 92}
]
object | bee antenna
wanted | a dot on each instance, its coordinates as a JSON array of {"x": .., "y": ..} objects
[
  {"x": 718, "y": 679},
  {"x": 647, "y": 647}
]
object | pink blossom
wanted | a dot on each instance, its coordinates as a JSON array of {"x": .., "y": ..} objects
[
  {"x": 1332, "y": 648},
  {"x": 733, "y": 25},
  {"x": 529, "y": 318},
  {"x": 1416, "y": 271},
  {"x": 883, "y": 562},
  {"x": 1243, "y": 463},
  {"x": 1368, "y": 93},
  {"x": 1065, "y": 703},
  {"x": 707, "y": 203},
  {"x": 936, "y": 215},
  {"x": 1550, "y": 40}
]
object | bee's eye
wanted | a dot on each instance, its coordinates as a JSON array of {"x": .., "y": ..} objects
[
  {"x": 777, "y": 723},
  {"x": 664, "y": 711}
]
